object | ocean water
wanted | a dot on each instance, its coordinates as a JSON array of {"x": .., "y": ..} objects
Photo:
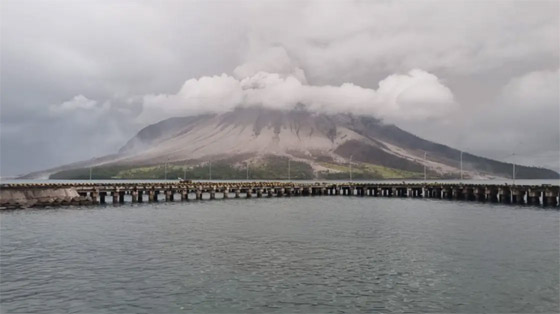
[{"x": 291, "y": 255}]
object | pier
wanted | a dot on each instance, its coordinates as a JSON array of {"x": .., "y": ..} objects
[{"x": 55, "y": 194}]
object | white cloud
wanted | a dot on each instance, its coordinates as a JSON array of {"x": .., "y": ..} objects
[
  {"x": 411, "y": 96},
  {"x": 79, "y": 102},
  {"x": 270, "y": 59}
]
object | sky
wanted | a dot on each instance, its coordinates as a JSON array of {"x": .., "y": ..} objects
[{"x": 79, "y": 78}]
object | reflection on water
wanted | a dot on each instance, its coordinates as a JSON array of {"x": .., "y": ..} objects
[{"x": 303, "y": 255}]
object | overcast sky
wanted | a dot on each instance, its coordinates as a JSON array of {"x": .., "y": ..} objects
[{"x": 79, "y": 78}]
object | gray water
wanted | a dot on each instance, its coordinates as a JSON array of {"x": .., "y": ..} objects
[{"x": 312, "y": 254}]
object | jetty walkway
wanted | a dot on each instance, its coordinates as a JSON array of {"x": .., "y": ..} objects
[{"x": 56, "y": 194}]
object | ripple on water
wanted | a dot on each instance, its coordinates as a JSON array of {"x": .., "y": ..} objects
[{"x": 289, "y": 255}]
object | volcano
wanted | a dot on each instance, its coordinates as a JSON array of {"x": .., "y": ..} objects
[{"x": 276, "y": 144}]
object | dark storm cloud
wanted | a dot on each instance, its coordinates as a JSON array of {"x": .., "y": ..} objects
[{"x": 79, "y": 78}]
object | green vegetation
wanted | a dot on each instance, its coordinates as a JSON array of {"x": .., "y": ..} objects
[
  {"x": 277, "y": 168},
  {"x": 271, "y": 168},
  {"x": 366, "y": 171},
  {"x": 104, "y": 172}
]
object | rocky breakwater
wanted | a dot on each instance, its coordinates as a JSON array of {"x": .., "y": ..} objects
[{"x": 25, "y": 197}]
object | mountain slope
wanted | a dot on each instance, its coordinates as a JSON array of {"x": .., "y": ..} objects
[{"x": 322, "y": 145}]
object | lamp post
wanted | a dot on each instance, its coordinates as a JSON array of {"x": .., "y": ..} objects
[
  {"x": 425, "y": 173},
  {"x": 461, "y": 165},
  {"x": 351, "y": 167},
  {"x": 513, "y": 170},
  {"x": 289, "y": 177}
]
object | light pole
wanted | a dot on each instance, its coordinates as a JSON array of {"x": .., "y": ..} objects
[
  {"x": 513, "y": 170},
  {"x": 461, "y": 165},
  {"x": 425, "y": 176},
  {"x": 289, "y": 177},
  {"x": 351, "y": 167}
]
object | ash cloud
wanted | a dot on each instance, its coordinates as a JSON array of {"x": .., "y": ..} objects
[{"x": 399, "y": 97}]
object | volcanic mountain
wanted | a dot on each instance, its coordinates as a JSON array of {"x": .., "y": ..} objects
[{"x": 261, "y": 143}]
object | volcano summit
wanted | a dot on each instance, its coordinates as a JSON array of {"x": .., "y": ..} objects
[{"x": 259, "y": 143}]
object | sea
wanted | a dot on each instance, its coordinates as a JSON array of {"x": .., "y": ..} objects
[{"x": 324, "y": 254}]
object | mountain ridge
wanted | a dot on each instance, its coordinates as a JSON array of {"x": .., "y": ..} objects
[{"x": 326, "y": 143}]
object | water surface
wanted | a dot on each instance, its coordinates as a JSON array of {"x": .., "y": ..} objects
[{"x": 300, "y": 254}]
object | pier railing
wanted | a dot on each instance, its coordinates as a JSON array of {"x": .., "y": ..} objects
[{"x": 48, "y": 194}]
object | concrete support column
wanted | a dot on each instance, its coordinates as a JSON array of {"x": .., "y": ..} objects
[
  {"x": 517, "y": 196},
  {"x": 94, "y": 195},
  {"x": 184, "y": 195},
  {"x": 288, "y": 191},
  {"x": 478, "y": 194},
  {"x": 409, "y": 192},
  {"x": 491, "y": 194},
  {"x": 134, "y": 195},
  {"x": 549, "y": 197},
  {"x": 505, "y": 194},
  {"x": 428, "y": 192},
  {"x": 269, "y": 192},
  {"x": 140, "y": 196},
  {"x": 152, "y": 196},
  {"x": 226, "y": 192},
  {"x": 236, "y": 193},
  {"x": 213, "y": 194},
  {"x": 259, "y": 193},
  {"x": 168, "y": 195},
  {"x": 115, "y": 197},
  {"x": 533, "y": 197},
  {"x": 457, "y": 193},
  {"x": 249, "y": 192},
  {"x": 337, "y": 190},
  {"x": 198, "y": 194},
  {"x": 102, "y": 196},
  {"x": 468, "y": 194},
  {"x": 279, "y": 192}
]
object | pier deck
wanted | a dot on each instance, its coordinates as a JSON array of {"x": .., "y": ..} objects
[{"x": 40, "y": 195}]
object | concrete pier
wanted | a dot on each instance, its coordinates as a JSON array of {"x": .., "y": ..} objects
[{"x": 86, "y": 193}]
